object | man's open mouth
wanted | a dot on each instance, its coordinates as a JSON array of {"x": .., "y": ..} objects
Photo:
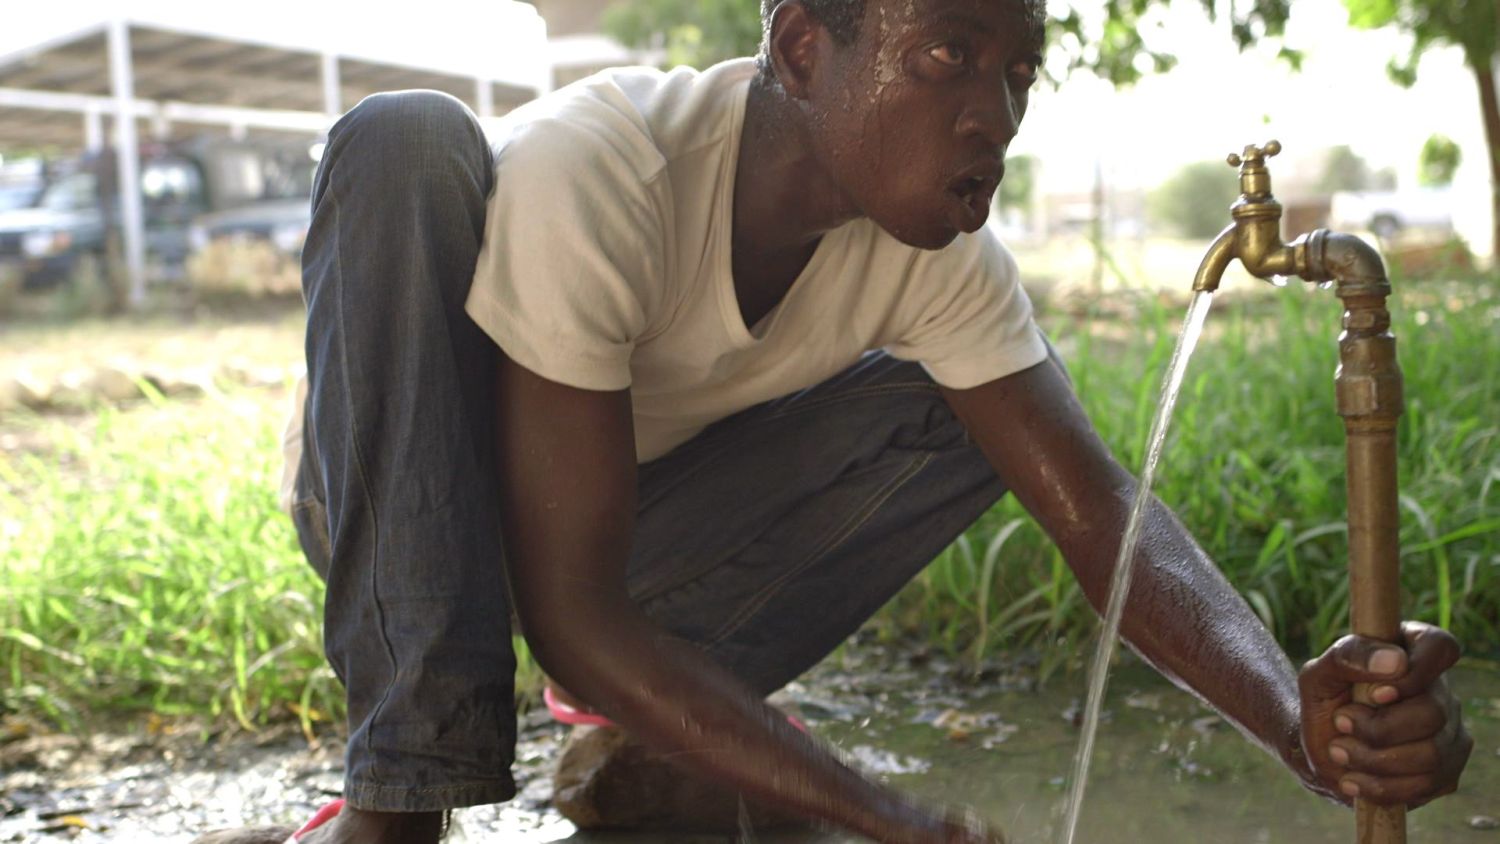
[
  {"x": 975, "y": 192},
  {"x": 977, "y": 184}
]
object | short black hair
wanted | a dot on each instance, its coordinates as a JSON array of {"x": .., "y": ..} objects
[{"x": 842, "y": 18}]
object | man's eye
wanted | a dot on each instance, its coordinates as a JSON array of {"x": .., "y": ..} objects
[{"x": 948, "y": 54}]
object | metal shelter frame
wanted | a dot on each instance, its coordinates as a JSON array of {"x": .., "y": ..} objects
[{"x": 165, "y": 78}]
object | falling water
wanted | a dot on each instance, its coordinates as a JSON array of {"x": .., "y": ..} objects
[{"x": 1192, "y": 327}]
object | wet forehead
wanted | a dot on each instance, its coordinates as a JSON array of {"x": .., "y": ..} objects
[{"x": 1026, "y": 18}]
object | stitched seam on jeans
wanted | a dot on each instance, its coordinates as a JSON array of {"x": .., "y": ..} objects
[
  {"x": 761, "y": 598},
  {"x": 359, "y": 464},
  {"x": 715, "y": 448},
  {"x": 855, "y": 393}
]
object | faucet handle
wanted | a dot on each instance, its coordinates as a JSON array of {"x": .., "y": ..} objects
[
  {"x": 1255, "y": 156},
  {"x": 1255, "y": 179}
]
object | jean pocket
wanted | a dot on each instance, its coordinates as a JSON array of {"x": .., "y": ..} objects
[{"x": 311, "y": 520}]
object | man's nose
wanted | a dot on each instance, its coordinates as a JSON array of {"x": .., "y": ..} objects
[{"x": 995, "y": 117}]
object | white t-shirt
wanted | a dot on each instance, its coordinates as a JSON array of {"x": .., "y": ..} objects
[{"x": 606, "y": 265}]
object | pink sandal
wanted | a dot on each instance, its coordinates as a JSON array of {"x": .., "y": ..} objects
[
  {"x": 563, "y": 713},
  {"x": 324, "y": 815}
]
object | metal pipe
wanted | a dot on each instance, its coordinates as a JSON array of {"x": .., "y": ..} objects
[
  {"x": 1369, "y": 396},
  {"x": 1369, "y": 389}
]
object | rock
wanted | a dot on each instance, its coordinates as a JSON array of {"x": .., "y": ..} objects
[
  {"x": 607, "y": 780},
  {"x": 73, "y": 389},
  {"x": 248, "y": 835},
  {"x": 51, "y": 752},
  {"x": 115, "y": 383},
  {"x": 1484, "y": 822},
  {"x": 31, "y": 391},
  {"x": 185, "y": 383}
]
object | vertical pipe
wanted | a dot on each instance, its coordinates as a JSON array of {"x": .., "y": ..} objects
[
  {"x": 127, "y": 152},
  {"x": 1369, "y": 389}
]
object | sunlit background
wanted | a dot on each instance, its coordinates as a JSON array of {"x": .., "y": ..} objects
[{"x": 160, "y": 633}]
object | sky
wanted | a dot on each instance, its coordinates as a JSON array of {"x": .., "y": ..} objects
[
  {"x": 1217, "y": 100},
  {"x": 1214, "y": 102}
]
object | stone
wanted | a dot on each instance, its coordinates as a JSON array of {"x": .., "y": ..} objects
[
  {"x": 114, "y": 383},
  {"x": 72, "y": 389},
  {"x": 31, "y": 391},
  {"x": 248, "y": 835},
  {"x": 607, "y": 780},
  {"x": 1484, "y": 822}
]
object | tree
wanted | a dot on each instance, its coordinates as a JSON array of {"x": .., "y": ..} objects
[
  {"x": 1471, "y": 25},
  {"x": 1344, "y": 170},
  {"x": 1193, "y": 200},
  {"x": 1019, "y": 184},
  {"x": 1439, "y": 161},
  {"x": 697, "y": 33},
  {"x": 1115, "y": 43}
]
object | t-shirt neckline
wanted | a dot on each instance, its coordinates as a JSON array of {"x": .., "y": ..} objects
[{"x": 741, "y": 335}]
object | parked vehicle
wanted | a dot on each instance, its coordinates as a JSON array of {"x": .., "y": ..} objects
[
  {"x": 235, "y": 188},
  {"x": 1389, "y": 213}
]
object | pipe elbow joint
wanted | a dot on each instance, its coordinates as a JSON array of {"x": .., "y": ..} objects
[{"x": 1349, "y": 260}]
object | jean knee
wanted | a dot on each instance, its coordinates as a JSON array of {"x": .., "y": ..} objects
[{"x": 410, "y": 134}]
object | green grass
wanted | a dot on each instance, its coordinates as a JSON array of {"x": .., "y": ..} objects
[
  {"x": 144, "y": 566},
  {"x": 1255, "y": 467}
]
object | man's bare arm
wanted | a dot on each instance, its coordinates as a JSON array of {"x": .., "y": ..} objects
[
  {"x": 568, "y": 474},
  {"x": 1188, "y": 621}
]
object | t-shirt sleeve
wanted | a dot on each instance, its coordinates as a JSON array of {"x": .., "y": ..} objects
[
  {"x": 968, "y": 320},
  {"x": 572, "y": 257}
]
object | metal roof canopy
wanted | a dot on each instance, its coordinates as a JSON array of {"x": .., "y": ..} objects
[{"x": 174, "y": 77}]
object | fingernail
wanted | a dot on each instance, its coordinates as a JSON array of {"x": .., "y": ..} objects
[
  {"x": 1384, "y": 661},
  {"x": 1343, "y": 724},
  {"x": 1339, "y": 755},
  {"x": 1384, "y": 694},
  {"x": 1349, "y": 787}
]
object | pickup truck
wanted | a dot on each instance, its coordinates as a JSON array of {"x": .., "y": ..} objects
[{"x": 1388, "y": 213}]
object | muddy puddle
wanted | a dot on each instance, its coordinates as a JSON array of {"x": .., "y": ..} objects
[{"x": 1165, "y": 770}]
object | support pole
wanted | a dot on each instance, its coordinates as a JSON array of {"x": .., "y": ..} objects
[
  {"x": 484, "y": 96},
  {"x": 333, "y": 96},
  {"x": 93, "y": 130},
  {"x": 127, "y": 153}
]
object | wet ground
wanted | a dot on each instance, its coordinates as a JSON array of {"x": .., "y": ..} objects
[{"x": 1166, "y": 769}]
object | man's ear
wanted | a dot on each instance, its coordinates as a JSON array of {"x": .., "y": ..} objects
[{"x": 793, "y": 46}]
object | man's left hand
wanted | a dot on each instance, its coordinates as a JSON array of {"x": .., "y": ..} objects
[{"x": 1407, "y": 749}]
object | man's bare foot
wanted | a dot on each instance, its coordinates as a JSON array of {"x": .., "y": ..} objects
[
  {"x": 607, "y": 780},
  {"x": 350, "y": 826}
]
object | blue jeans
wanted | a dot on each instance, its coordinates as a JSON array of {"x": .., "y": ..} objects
[{"x": 766, "y": 540}]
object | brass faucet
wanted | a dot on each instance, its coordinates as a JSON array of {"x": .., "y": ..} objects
[
  {"x": 1369, "y": 398},
  {"x": 1255, "y": 235}
]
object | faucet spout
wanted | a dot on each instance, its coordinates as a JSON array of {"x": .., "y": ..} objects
[
  {"x": 1216, "y": 261},
  {"x": 1255, "y": 235}
]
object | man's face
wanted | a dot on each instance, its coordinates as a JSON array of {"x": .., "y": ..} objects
[{"x": 913, "y": 119}]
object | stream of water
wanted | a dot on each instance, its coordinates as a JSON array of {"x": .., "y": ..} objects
[{"x": 1192, "y": 328}]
